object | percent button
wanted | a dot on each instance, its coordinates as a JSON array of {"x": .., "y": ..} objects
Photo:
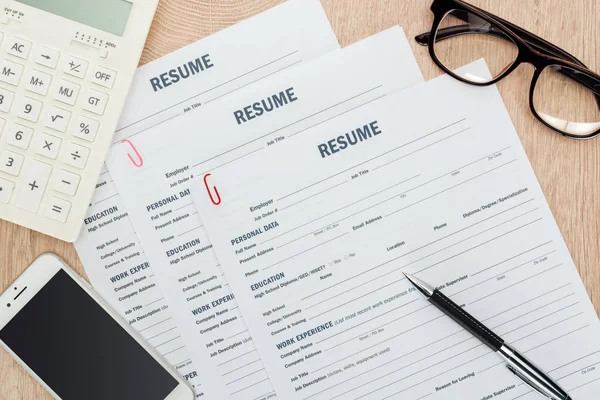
[{"x": 85, "y": 128}]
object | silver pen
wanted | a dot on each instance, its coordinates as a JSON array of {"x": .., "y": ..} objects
[{"x": 515, "y": 362}]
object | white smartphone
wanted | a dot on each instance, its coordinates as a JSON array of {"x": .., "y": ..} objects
[{"x": 67, "y": 338}]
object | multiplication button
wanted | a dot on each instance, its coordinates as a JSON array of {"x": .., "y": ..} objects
[
  {"x": 48, "y": 146},
  {"x": 67, "y": 92},
  {"x": 85, "y": 128},
  {"x": 94, "y": 101}
]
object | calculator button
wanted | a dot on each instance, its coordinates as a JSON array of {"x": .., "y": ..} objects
[
  {"x": 57, "y": 209},
  {"x": 19, "y": 48},
  {"x": 29, "y": 109},
  {"x": 94, "y": 101},
  {"x": 6, "y": 189},
  {"x": 76, "y": 155},
  {"x": 6, "y": 100},
  {"x": 65, "y": 182},
  {"x": 67, "y": 92},
  {"x": 104, "y": 77},
  {"x": 32, "y": 186},
  {"x": 75, "y": 67},
  {"x": 19, "y": 135},
  {"x": 57, "y": 119},
  {"x": 11, "y": 72},
  {"x": 46, "y": 57},
  {"x": 38, "y": 82},
  {"x": 85, "y": 128},
  {"x": 48, "y": 146},
  {"x": 11, "y": 163}
]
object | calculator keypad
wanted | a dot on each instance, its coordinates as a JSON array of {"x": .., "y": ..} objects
[{"x": 47, "y": 126}]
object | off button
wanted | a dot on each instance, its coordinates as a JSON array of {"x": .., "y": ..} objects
[{"x": 104, "y": 77}]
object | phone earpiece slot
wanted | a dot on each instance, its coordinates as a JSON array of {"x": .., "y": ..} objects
[{"x": 20, "y": 293}]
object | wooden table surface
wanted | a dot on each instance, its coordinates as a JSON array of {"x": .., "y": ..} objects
[{"x": 568, "y": 170}]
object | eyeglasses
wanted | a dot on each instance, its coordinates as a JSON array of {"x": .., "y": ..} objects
[{"x": 564, "y": 93}]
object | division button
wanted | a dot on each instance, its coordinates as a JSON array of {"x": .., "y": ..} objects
[{"x": 76, "y": 155}]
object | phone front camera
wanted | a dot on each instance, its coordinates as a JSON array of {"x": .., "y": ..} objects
[{"x": 8, "y": 305}]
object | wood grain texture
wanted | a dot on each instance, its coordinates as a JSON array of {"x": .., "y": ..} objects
[{"x": 568, "y": 171}]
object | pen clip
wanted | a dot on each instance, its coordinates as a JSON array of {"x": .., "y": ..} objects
[{"x": 528, "y": 382}]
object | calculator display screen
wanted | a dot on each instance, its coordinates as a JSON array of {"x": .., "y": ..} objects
[{"x": 107, "y": 15}]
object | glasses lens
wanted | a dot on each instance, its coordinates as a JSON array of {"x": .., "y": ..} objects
[
  {"x": 463, "y": 37},
  {"x": 568, "y": 100}
]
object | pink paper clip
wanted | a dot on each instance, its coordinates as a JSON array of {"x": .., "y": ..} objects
[
  {"x": 215, "y": 202},
  {"x": 140, "y": 160}
]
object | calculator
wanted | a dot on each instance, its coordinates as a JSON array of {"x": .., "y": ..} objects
[{"x": 65, "y": 69}]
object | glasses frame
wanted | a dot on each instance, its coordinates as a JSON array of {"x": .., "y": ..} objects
[{"x": 531, "y": 50}]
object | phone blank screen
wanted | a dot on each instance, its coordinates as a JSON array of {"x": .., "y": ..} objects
[{"x": 79, "y": 350}]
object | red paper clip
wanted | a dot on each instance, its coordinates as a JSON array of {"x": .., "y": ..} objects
[
  {"x": 215, "y": 202},
  {"x": 140, "y": 161}
]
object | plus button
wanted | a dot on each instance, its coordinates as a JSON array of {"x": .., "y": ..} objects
[{"x": 33, "y": 185}]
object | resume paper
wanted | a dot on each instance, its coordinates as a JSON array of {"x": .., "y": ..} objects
[
  {"x": 163, "y": 90},
  {"x": 265, "y": 114},
  {"x": 313, "y": 236}
]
